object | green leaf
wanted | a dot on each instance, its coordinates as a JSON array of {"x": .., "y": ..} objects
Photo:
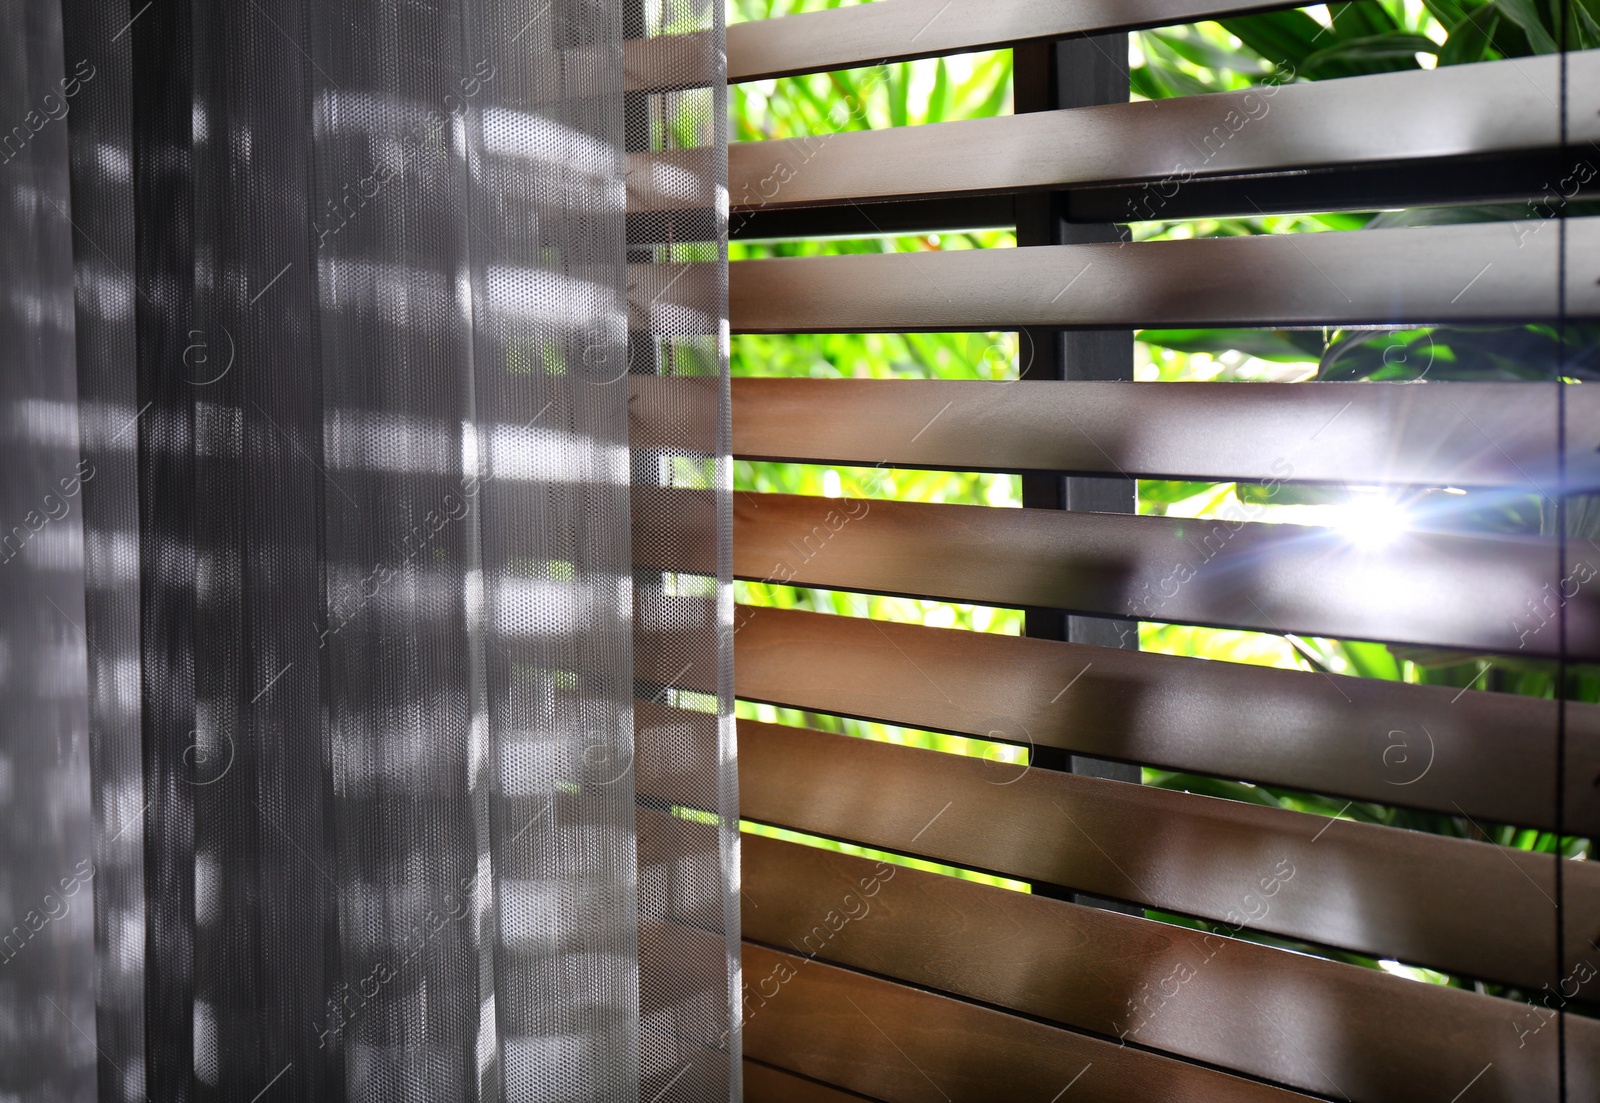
[
  {"x": 1372, "y": 660},
  {"x": 1282, "y": 346},
  {"x": 1189, "y": 44},
  {"x": 1587, "y": 29},
  {"x": 1451, "y": 12},
  {"x": 1363, "y": 354},
  {"x": 939, "y": 98},
  {"x": 1307, "y": 653},
  {"x": 899, "y": 89},
  {"x": 1362, "y": 20},
  {"x": 1216, "y": 787},
  {"x": 1166, "y": 491},
  {"x": 1285, "y": 38},
  {"x": 1526, "y": 15},
  {"x": 1164, "y": 65},
  {"x": 1284, "y": 494},
  {"x": 1362, "y": 52}
]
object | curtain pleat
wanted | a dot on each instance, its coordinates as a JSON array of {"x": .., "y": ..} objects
[
  {"x": 47, "y": 848},
  {"x": 413, "y": 771},
  {"x": 98, "y": 62}
]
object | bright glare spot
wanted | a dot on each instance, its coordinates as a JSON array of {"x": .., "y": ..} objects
[
  {"x": 1395, "y": 968},
  {"x": 1409, "y": 972},
  {"x": 1003, "y": 490},
  {"x": 830, "y": 484},
  {"x": 1427, "y": 61},
  {"x": 1371, "y": 521}
]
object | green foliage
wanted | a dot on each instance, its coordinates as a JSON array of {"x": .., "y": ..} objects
[
  {"x": 819, "y": 105},
  {"x": 1364, "y": 38}
]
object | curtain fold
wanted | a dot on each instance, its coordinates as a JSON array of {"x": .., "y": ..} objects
[
  {"x": 47, "y": 872},
  {"x": 399, "y": 596}
]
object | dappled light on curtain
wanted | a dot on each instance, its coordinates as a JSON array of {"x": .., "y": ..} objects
[{"x": 406, "y": 670}]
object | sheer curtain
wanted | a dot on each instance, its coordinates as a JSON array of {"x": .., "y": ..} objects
[{"x": 367, "y": 677}]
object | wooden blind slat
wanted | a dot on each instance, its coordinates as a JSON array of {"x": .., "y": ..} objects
[
  {"x": 675, "y": 752},
  {"x": 1468, "y": 907},
  {"x": 870, "y": 34},
  {"x": 899, "y": 1044},
  {"x": 1335, "y": 1029},
  {"x": 1490, "y": 108},
  {"x": 676, "y": 414},
  {"x": 673, "y": 180},
  {"x": 1457, "y": 434},
  {"x": 1469, "y": 274},
  {"x": 668, "y": 648},
  {"x": 1430, "y": 589},
  {"x": 1462, "y": 906},
  {"x": 666, "y": 62},
  {"x": 661, "y": 298},
  {"x": 865, "y": 34},
  {"x": 1487, "y": 755},
  {"x": 766, "y": 1084}
]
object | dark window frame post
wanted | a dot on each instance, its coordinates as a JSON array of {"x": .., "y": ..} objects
[{"x": 1079, "y": 72}]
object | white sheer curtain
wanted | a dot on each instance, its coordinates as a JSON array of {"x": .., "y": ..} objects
[{"x": 407, "y": 649}]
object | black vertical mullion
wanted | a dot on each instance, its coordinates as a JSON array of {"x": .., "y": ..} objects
[{"x": 1081, "y": 72}]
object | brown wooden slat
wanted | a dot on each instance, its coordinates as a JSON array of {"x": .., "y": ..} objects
[
  {"x": 1467, "y": 274},
  {"x": 676, "y": 415},
  {"x": 1491, "y": 108},
  {"x": 663, "y": 63},
  {"x": 1461, "y": 906},
  {"x": 848, "y": 37},
  {"x": 689, "y": 1041},
  {"x": 675, "y": 755},
  {"x": 679, "y": 858},
  {"x": 679, "y": 298},
  {"x": 1488, "y": 755},
  {"x": 675, "y": 530},
  {"x": 666, "y": 62},
  {"x": 673, "y": 180},
  {"x": 669, "y": 641},
  {"x": 1451, "y": 434},
  {"x": 1432, "y": 589},
  {"x": 1326, "y": 1027},
  {"x": 765, "y": 1084},
  {"x": 908, "y": 1046}
]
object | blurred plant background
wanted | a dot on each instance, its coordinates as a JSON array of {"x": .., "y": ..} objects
[{"x": 1314, "y": 43}]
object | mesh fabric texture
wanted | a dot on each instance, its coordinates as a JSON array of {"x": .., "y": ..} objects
[{"x": 401, "y": 332}]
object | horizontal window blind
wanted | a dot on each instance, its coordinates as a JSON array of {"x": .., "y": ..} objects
[{"x": 1233, "y": 957}]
